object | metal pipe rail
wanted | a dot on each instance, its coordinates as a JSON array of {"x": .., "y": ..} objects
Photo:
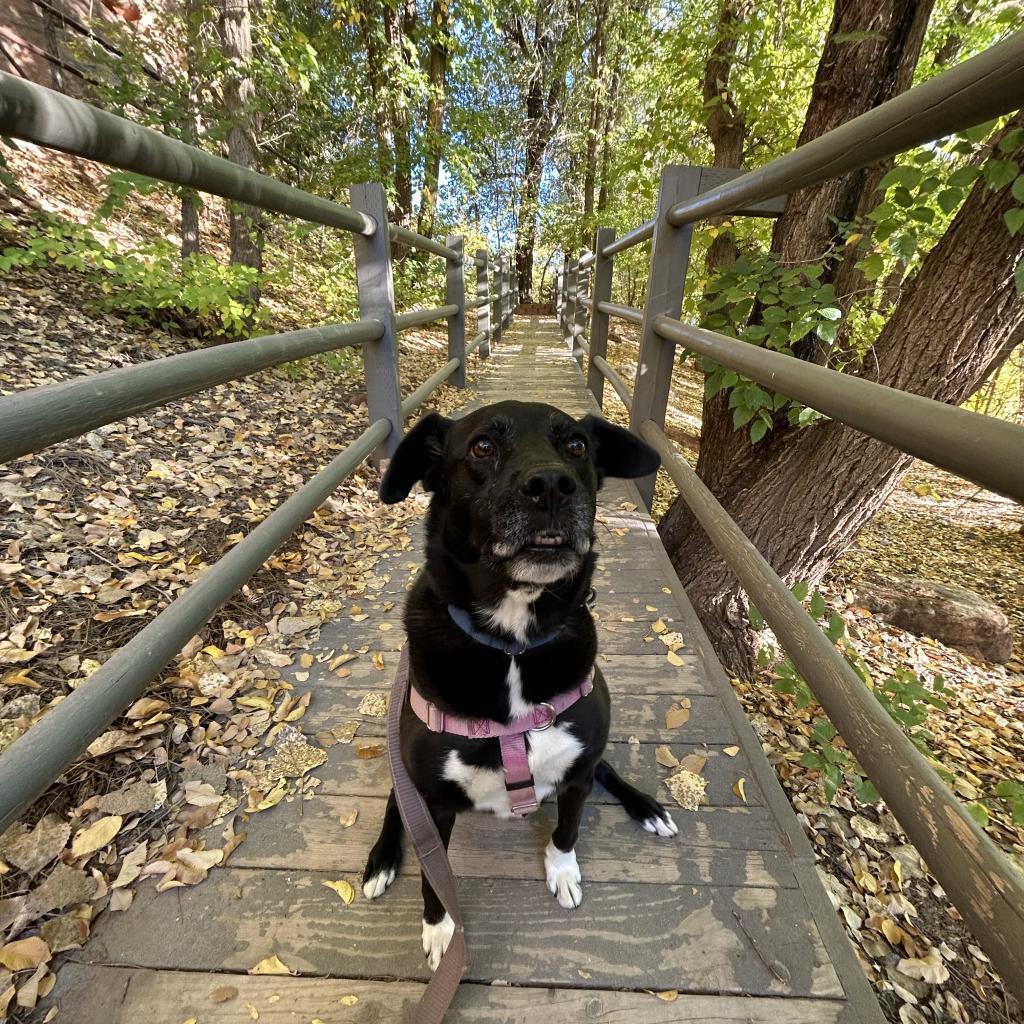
[
  {"x": 980, "y": 448},
  {"x": 980, "y": 881},
  {"x": 970, "y": 93},
  {"x": 476, "y": 343},
  {"x": 417, "y": 241},
  {"x": 634, "y": 316},
  {"x": 615, "y": 379},
  {"x": 36, "y": 758},
  {"x": 477, "y": 303},
  {"x": 47, "y": 118},
  {"x": 413, "y": 401},
  {"x": 416, "y": 317},
  {"x": 30, "y": 420}
]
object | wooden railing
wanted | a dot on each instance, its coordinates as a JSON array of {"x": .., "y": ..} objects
[
  {"x": 983, "y": 884},
  {"x": 32, "y": 419}
]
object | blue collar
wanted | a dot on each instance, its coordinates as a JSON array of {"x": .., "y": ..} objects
[{"x": 464, "y": 621}]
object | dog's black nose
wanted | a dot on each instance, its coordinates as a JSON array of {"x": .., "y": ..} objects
[{"x": 547, "y": 483}]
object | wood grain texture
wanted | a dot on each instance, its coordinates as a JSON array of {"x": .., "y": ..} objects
[
  {"x": 118, "y": 995},
  {"x": 716, "y": 938},
  {"x": 725, "y": 846}
]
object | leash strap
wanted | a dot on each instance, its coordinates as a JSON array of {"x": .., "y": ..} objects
[{"x": 433, "y": 858}]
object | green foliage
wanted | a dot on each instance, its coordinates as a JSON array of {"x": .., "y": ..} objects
[
  {"x": 761, "y": 302},
  {"x": 144, "y": 285}
]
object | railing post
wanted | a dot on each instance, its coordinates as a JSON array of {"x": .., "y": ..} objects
[
  {"x": 496, "y": 303},
  {"x": 455, "y": 295},
  {"x": 556, "y": 292},
  {"x": 670, "y": 256},
  {"x": 580, "y": 319},
  {"x": 377, "y": 301},
  {"x": 483, "y": 313},
  {"x": 601, "y": 292},
  {"x": 571, "y": 278},
  {"x": 506, "y": 280}
]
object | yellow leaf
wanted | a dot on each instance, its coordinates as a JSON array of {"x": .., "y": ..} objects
[
  {"x": 24, "y": 954},
  {"x": 88, "y": 840},
  {"x": 668, "y": 997},
  {"x": 659, "y": 626},
  {"x": 348, "y": 819},
  {"x": 674, "y": 659},
  {"x": 730, "y": 751},
  {"x": 343, "y": 889},
  {"x": 676, "y": 717},
  {"x": 272, "y": 965},
  {"x": 694, "y": 763},
  {"x": 665, "y": 757},
  {"x": 739, "y": 788},
  {"x": 349, "y": 1000},
  {"x": 254, "y": 1014},
  {"x": 274, "y": 797},
  {"x": 378, "y": 660},
  {"x": 369, "y": 751}
]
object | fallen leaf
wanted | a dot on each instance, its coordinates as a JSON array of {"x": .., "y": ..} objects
[
  {"x": 668, "y": 997},
  {"x": 658, "y": 626},
  {"x": 348, "y": 819},
  {"x": 694, "y": 763},
  {"x": 223, "y": 994},
  {"x": 349, "y": 1000},
  {"x": 254, "y": 1014},
  {"x": 730, "y": 751},
  {"x": 687, "y": 788},
  {"x": 674, "y": 659},
  {"x": 272, "y": 965},
  {"x": 24, "y": 954},
  {"x": 369, "y": 751},
  {"x": 95, "y": 836},
  {"x": 676, "y": 717},
  {"x": 740, "y": 789},
  {"x": 32, "y": 849},
  {"x": 343, "y": 889},
  {"x": 665, "y": 757}
]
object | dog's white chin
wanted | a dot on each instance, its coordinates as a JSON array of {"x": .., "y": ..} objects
[{"x": 526, "y": 570}]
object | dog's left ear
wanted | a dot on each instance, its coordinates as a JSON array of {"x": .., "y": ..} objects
[
  {"x": 418, "y": 457},
  {"x": 618, "y": 452}
]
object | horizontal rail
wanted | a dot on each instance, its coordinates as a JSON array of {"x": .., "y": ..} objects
[
  {"x": 476, "y": 343},
  {"x": 643, "y": 233},
  {"x": 413, "y": 401},
  {"x": 980, "y": 881},
  {"x": 417, "y": 241},
  {"x": 587, "y": 260},
  {"x": 415, "y": 317},
  {"x": 971, "y": 93},
  {"x": 579, "y": 340},
  {"x": 979, "y": 448},
  {"x": 39, "y": 756},
  {"x": 587, "y": 301},
  {"x": 477, "y": 303},
  {"x": 634, "y": 316},
  {"x": 615, "y": 379},
  {"x": 30, "y": 420},
  {"x": 36, "y": 114}
]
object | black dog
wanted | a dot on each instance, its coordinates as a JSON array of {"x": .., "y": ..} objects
[{"x": 499, "y": 628}]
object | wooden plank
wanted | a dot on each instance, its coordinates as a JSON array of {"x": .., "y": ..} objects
[
  {"x": 119, "y": 995},
  {"x": 639, "y": 715},
  {"x": 711, "y": 846},
  {"x": 347, "y": 774},
  {"x": 690, "y": 938}
]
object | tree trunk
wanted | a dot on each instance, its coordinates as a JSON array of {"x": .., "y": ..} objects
[
  {"x": 439, "y": 48},
  {"x": 596, "y": 118},
  {"x": 803, "y": 495},
  {"x": 611, "y": 116},
  {"x": 190, "y": 130},
  {"x": 805, "y": 230},
  {"x": 245, "y": 222}
]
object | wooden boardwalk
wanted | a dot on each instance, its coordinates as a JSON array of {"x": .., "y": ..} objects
[{"x": 730, "y": 914}]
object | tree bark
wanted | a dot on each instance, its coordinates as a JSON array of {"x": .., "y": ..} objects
[
  {"x": 596, "y": 117},
  {"x": 190, "y": 130},
  {"x": 803, "y": 495},
  {"x": 440, "y": 44},
  {"x": 611, "y": 116},
  {"x": 245, "y": 222}
]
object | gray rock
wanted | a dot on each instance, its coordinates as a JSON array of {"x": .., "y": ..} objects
[{"x": 953, "y": 615}]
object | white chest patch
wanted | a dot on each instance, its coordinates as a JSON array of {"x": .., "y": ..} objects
[
  {"x": 552, "y": 753},
  {"x": 514, "y": 612}
]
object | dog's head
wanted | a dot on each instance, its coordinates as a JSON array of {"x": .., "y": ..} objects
[{"x": 515, "y": 484}]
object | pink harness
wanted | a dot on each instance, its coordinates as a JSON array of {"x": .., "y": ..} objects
[{"x": 512, "y": 737}]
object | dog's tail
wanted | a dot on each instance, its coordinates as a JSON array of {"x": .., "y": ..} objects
[
  {"x": 386, "y": 856},
  {"x": 638, "y": 805}
]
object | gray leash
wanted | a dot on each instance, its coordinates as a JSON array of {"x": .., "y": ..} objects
[{"x": 433, "y": 858}]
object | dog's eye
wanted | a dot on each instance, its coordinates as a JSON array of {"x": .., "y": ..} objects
[
  {"x": 482, "y": 448},
  {"x": 576, "y": 447}
]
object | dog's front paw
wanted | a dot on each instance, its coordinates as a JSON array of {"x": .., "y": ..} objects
[
  {"x": 563, "y": 874},
  {"x": 436, "y": 938},
  {"x": 660, "y": 822}
]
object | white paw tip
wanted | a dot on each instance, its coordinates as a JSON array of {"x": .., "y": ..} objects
[
  {"x": 376, "y": 886},
  {"x": 436, "y": 938},
  {"x": 563, "y": 876},
  {"x": 662, "y": 825}
]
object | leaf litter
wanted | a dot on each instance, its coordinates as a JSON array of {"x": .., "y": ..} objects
[{"x": 98, "y": 535}]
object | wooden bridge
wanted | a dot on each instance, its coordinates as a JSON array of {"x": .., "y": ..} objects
[
  {"x": 730, "y": 914},
  {"x": 728, "y": 921}
]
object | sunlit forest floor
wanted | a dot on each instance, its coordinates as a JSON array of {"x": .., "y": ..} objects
[{"x": 100, "y": 534}]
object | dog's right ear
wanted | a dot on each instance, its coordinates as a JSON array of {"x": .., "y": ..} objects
[{"x": 418, "y": 457}]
